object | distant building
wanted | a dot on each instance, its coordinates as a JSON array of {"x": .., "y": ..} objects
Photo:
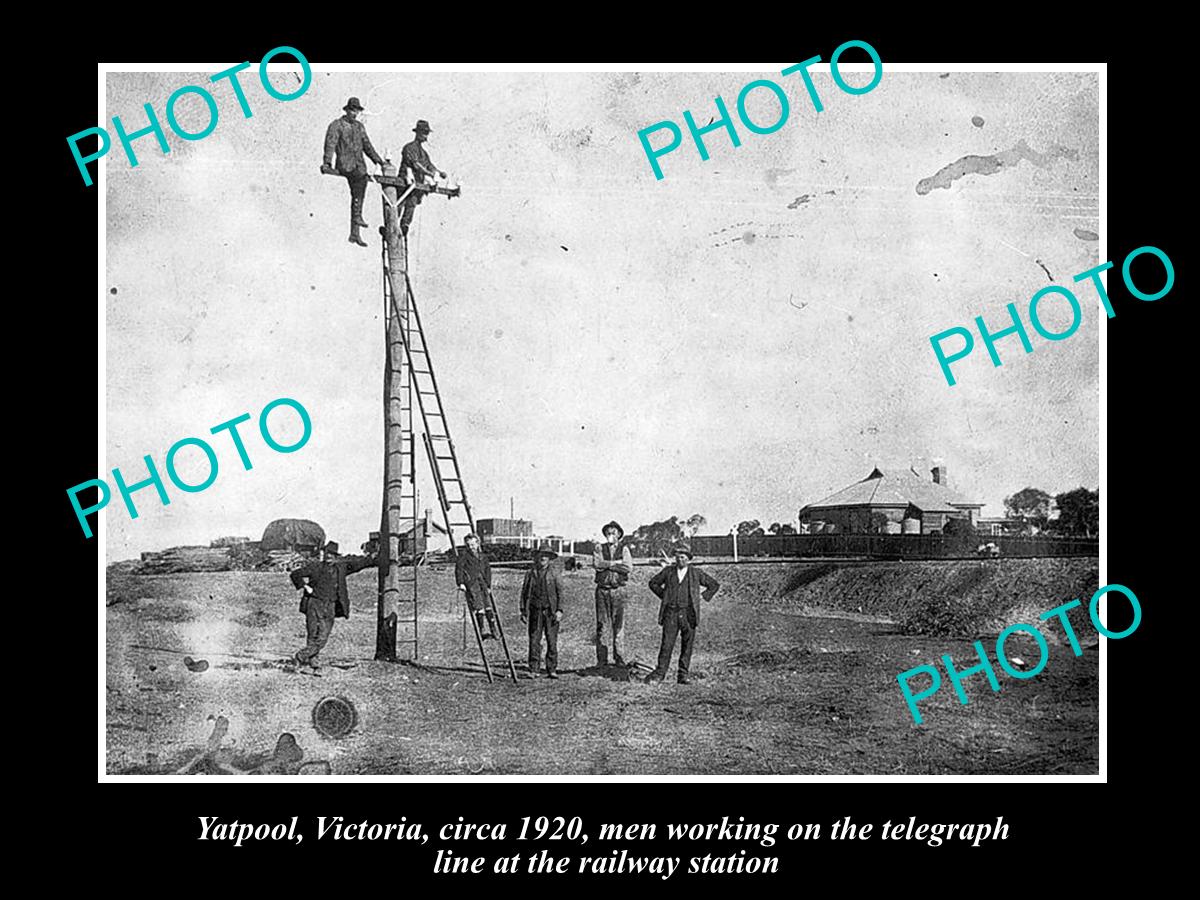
[
  {"x": 998, "y": 526},
  {"x": 505, "y": 531},
  {"x": 404, "y": 540},
  {"x": 427, "y": 530},
  {"x": 233, "y": 542},
  {"x": 890, "y": 501},
  {"x": 559, "y": 543}
]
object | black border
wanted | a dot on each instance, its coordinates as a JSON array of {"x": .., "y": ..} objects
[{"x": 1147, "y": 489}]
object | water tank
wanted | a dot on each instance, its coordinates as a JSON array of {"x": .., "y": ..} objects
[{"x": 912, "y": 526}]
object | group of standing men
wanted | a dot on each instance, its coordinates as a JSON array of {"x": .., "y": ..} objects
[
  {"x": 346, "y": 138},
  {"x": 680, "y": 589}
]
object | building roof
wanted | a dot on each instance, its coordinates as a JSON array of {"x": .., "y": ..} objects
[{"x": 896, "y": 487}]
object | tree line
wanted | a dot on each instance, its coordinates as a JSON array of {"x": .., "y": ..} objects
[
  {"x": 1078, "y": 512},
  {"x": 1032, "y": 508},
  {"x": 661, "y": 536}
]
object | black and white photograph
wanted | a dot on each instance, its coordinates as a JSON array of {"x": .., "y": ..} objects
[{"x": 455, "y": 423}]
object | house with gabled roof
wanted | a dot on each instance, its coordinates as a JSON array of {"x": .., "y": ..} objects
[{"x": 891, "y": 501}]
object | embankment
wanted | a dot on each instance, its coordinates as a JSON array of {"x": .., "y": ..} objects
[{"x": 958, "y": 598}]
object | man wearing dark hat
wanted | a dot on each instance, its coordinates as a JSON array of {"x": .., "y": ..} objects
[
  {"x": 324, "y": 597},
  {"x": 541, "y": 608},
  {"x": 414, "y": 157},
  {"x": 473, "y": 575},
  {"x": 348, "y": 138},
  {"x": 680, "y": 587},
  {"x": 613, "y": 563}
]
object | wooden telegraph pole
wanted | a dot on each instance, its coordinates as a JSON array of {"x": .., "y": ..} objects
[
  {"x": 399, "y": 484},
  {"x": 398, "y": 536}
]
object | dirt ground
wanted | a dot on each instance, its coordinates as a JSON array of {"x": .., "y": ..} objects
[{"x": 785, "y": 689}]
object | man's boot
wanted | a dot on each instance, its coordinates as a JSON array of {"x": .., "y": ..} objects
[
  {"x": 355, "y": 237},
  {"x": 485, "y": 631},
  {"x": 602, "y": 654}
]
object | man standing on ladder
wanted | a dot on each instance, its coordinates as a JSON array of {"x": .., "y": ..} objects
[
  {"x": 414, "y": 157},
  {"x": 348, "y": 137},
  {"x": 473, "y": 576},
  {"x": 613, "y": 563}
]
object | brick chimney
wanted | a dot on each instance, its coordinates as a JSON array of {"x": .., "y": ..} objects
[{"x": 940, "y": 475}]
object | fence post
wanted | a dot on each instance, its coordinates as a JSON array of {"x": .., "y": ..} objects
[{"x": 735, "y": 554}]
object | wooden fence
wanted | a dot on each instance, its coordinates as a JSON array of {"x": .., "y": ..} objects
[{"x": 880, "y": 546}]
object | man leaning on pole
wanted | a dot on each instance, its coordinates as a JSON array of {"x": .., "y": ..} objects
[{"x": 324, "y": 597}]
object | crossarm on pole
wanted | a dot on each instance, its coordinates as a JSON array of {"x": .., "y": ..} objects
[{"x": 397, "y": 182}]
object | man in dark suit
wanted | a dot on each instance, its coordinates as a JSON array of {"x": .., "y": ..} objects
[
  {"x": 324, "y": 597},
  {"x": 680, "y": 588},
  {"x": 348, "y": 138},
  {"x": 541, "y": 608}
]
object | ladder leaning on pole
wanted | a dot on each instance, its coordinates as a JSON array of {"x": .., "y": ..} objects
[{"x": 439, "y": 446}]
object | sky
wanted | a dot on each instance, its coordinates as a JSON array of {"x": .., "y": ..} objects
[{"x": 743, "y": 337}]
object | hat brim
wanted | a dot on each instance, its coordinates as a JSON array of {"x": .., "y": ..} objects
[
  {"x": 549, "y": 553},
  {"x": 423, "y": 130},
  {"x": 348, "y": 107}
]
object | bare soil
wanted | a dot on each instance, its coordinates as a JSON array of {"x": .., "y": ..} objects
[{"x": 795, "y": 681}]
